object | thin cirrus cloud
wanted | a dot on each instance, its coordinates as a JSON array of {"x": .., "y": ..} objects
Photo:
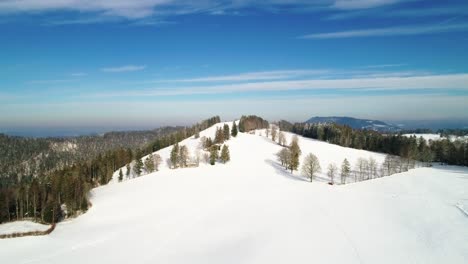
[
  {"x": 138, "y": 9},
  {"x": 126, "y": 68},
  {"x": 391, "y": 82},
  {"x": 254, "y": 76},
  {"x": 390, "y": 31}
]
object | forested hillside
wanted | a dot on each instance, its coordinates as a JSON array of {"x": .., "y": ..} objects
[
  {"x": 444, "y": 151},
  {"x": 49, "y": 179}
]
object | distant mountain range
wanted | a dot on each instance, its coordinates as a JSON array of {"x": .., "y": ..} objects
[{"x": 356, "y": 123}]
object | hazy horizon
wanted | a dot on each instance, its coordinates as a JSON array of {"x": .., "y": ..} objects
[{"x": 72, "y": 64}]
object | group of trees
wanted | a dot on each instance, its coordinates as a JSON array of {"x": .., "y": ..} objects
[
  {"x": 252, "y": 122},
  {"x": 179, "y": 156},
  {"x": 58, "y": 191},
  {"x": 409, "y": 148},
  {"x": 289, "y": 156}
]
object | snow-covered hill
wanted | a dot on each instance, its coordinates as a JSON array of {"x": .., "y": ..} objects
[{"x": 251, "y": 211}]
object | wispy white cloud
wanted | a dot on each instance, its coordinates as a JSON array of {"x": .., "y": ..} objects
[
  {"x": 139, "y": 9},
  {"x": 126, "y": 68},
  {"x": 78, "y": 74},
  {"x": 362, "y": 4},
  {"x": 370, "y": 82},
  {"x": 391, "y": 31},
  {"x": 254, "y": 76}
]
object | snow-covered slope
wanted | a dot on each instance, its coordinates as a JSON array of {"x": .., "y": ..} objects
[
  {"x": 251, "y": 211},
  {"x": 21, "y": 227}
]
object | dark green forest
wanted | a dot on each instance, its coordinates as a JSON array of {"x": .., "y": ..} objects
[
  {"x": 38, "y": 182},
  {"x": 444, "y": 151}
]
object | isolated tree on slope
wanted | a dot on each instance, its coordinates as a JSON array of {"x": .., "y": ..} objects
[
  {"x": 295, "y": 153},
  {"x": 311, "y": 166},
  {"x": 213, "y": 154},
  {"x": 226, "y": 131},
  {"x": 138, "y": 167},
  {"x": 225, "y": 156},
  {"x": 174, "y": 155},
  {"x": 157, "y": 161},
  {"x": 281, "y": 139},
  {"x": 149, "y": 163},
  {"x": 219, "y": 136},
  {"x": 274, "y": 133},
  {"x": 120, "y": 175},
  {"x": 345, "y": 170},
  {"x": 183, "y": 156},
  {"x": 267, "y": 132},
  {"x": 234, "y": 129},
  {"x": 332, "y": 169},
  {"x": 129, "y": 169}
]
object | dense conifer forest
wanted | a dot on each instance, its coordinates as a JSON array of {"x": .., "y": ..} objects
[
  {"x": 443, "y": 151},
  {"x": 38, "y": 182}
]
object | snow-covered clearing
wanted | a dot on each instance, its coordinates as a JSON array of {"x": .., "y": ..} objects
[
  {"x": 435, "y": 137},
  {"x": 22, "y": 227},
  {"x": 251, "y": 210}
]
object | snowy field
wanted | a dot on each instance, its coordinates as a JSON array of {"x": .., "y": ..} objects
[
  {"x": 435, "y": 137},
  {"x": 251, "y": 211},
  {"x": 22, "y": 227}
]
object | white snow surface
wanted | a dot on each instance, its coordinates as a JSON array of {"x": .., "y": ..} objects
[
  {"x": 21, "y": 227},
  {"x": 252, "y": 211},
  {"x": 435, "y": 137}
]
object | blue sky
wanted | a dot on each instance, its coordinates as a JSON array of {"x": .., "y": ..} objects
[{"x": 139, "y": 64}]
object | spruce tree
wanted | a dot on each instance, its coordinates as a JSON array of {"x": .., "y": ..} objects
[
  {"x": 213, "y": 154},
  {"x": 120, "y": 175},
  {"x": 219, "y": 137},
  {"x": 138, "y": 167},
  {"x": 225, "y": 156},
  {"x": 226, "y": 132},
  {"x": 174, "y": 155},
  {"x": 234, "y": 129},
  {"x": 149, "y": 163},
  {"x": 183, "y": 156}
]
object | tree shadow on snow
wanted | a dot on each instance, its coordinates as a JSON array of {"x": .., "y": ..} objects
[{"x": 281, "y": 171}]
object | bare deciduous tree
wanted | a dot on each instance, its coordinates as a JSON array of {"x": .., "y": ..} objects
[
  {"x": 332, "y": 169},
  {"x": 311, "y": 166}
]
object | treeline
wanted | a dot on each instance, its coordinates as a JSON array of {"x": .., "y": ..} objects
[
  {"x": 411, "y": 148},
  {"x": 63, "y": 192},
  {"x": 31, "y": 157}
]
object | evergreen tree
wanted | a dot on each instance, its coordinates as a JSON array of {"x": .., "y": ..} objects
[
  {"x": 183, "y": 156},
  {"x": 345, "y": 170},
  {"x": 129, "y": 169},
  {"x": 149, "y": 163},
  {"x": 213, "y": 154},
  {"x": 226, "y": 133},
  {"x": 219, "y": 137},
  {"x": 234, "y": 129},
  {"x": 174, "y": 155},
  {"x": 225, "y": 156},
  {"x": 208, "y": 143},
  {"x": 120, "y": 175},
  {"x": 138, "y": 168}
]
